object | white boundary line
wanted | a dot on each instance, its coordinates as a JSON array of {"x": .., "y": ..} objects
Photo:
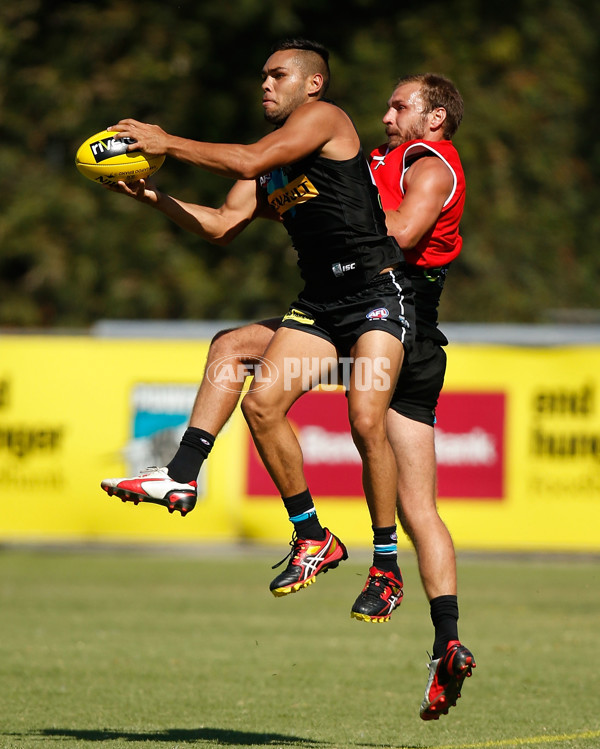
[{"x": 521, "y": 742}]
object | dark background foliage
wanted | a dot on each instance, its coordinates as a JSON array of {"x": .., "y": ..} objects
[{"x": 72, "y": 253}]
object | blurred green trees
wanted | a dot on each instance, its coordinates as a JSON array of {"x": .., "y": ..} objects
[{"x": 72, "y": 253}]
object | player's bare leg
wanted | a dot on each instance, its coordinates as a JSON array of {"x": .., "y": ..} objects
[
  {"x": 377, "y": 359},
  {"x": 414, "y": 450},
  {"x": 174, "y": 486},
  {"x": 314, "y": 548},
  {"x": 214, "y": 405},
  {"x": 368, "y": 400},
  {"x": 266, "y": 409},
  {"x": 452, "y": 662}
]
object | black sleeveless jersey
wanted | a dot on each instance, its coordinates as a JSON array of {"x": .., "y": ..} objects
[{"x": 332, "y": 212}]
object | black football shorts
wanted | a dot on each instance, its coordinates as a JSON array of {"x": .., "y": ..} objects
[
  {"x": 387, "y": 303},
  {"x": 420, "y": 382}
]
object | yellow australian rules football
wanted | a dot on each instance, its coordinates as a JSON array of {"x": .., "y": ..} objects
[{"x": 105, "y": 159}]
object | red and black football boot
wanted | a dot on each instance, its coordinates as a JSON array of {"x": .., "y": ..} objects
[
  {"x": 309, "y": 557},
  {"x": 446, "y": 677},
  {"x": 380, "y": 596}
]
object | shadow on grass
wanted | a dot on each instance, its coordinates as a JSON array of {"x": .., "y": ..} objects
[
  {"x": 219, "y": 736},
  {"x": 223, "y": 736}
]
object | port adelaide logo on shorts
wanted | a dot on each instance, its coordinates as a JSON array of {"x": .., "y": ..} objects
[
  {"x": 106, "y": 148},
  {"x": 380, "y": 313}
]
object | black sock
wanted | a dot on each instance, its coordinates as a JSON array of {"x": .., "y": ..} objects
[
  {"x": 303, "y": 515},
  {"x": 385, "y": 553},
  {"x": 444, "y": 615},
  {"x": 194, "y": 448}
]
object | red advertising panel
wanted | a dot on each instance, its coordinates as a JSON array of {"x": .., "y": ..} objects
[
  {"x": 469, "y": 447},
  {"x": 331, "y": 461}
]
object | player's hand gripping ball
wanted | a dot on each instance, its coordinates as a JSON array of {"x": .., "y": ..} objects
[{"x": 106, "y": 160}]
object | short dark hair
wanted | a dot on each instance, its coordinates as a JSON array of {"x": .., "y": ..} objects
[
  {"x": 439, "y": 91},
  {"x": 318, "y": 56}
]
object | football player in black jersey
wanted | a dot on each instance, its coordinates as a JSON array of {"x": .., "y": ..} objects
[
  {"x": 310, "y": 173},
  {"x": 412, "y": 432}
]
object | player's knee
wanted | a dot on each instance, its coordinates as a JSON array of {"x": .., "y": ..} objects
[
  {"x": 250, "y": 409},
  {"x": 367, "y": 428},
  {"x": 225, "y": 343},
  {"x": 258, "y": 413},
  {"x": 244, "y": 345}
]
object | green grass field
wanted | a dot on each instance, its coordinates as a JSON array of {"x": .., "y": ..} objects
[{"x": 118, "y": 649}]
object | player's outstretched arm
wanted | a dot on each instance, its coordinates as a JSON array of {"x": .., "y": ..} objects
[
  {"x": 216, "y": 225},
  {"x": 314, "y": 126}
]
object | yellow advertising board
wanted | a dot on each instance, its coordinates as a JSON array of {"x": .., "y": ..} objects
[
  {"x": 552, "y": 442},
  {"x": 73, "y": 411},
  {"x": 518, "y": 444}
]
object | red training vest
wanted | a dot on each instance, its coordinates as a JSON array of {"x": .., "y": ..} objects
[{"x": 443, "y": 243}]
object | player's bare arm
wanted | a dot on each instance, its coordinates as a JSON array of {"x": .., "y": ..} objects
[
  {"x": 428, "y": 184},
  {"x": 221, "y": 225},
  {"x": 314, "y": 126}
]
